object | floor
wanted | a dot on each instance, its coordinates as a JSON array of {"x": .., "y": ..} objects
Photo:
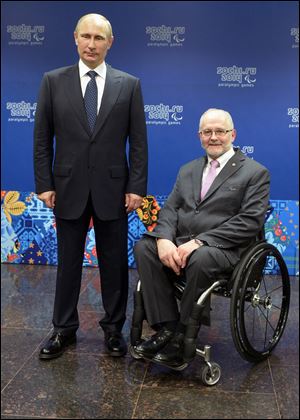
[{"x": 86, "y": 383}]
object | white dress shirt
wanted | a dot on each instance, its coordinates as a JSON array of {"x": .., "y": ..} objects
[
  {"x": 222, "y": 161},
  {"x": 100, "y": 79}
]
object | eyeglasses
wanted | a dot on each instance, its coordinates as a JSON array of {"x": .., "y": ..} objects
[{"x": 218, "y": 132}]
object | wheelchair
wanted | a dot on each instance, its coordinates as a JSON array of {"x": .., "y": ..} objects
[{"x": 259, "y": 292}]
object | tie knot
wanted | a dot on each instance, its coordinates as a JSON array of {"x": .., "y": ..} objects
[
  {"x": 92, "y": 74},
  {"x": 214, "y": 163}
]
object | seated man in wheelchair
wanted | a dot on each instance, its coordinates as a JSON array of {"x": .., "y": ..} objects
[{"x": 216, "y": 209}]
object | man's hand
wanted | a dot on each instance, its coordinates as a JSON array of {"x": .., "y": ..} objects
[
  {"x": 185, "y": 250},
  {"x": 132, "y": 201},
  {"x": 168, "y": 255},
  {"x": 48, "y": 197}
]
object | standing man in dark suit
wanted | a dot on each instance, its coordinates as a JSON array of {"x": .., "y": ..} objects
[
  {"x": 92, "y": 110},
  {"x": 214, "y": 212}
]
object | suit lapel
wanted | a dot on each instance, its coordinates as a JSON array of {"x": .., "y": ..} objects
[
  {"x": 197, "y": 177},
  {"x": 111, "y": 93},
  {"x": 233, "y": 165},
  {"x": 74, "y": 94}
]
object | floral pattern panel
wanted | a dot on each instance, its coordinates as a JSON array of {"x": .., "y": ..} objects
[{"x": 28, "y": 231}]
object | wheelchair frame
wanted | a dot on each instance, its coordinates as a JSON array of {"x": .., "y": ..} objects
[{"x": 259, "y": 289}]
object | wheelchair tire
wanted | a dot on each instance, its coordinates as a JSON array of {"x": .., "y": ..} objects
[{"x": 260, "y": 302}]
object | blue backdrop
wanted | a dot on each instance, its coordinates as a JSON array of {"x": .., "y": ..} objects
[
  {"x": 190, "y": 56},
  {"x": 241, "y": 56}
]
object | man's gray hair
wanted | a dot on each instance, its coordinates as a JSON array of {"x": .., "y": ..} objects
[{"x": 226, "y": 114}]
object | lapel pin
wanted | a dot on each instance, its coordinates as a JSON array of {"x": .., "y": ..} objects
[{"x": 234, "y": 164}]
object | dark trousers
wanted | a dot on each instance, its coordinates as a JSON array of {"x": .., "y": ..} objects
[
  {"x": 204, "y": 265},
  {"x": 111, "y": 246}
]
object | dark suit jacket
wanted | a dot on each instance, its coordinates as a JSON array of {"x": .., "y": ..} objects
[
  {"x": 230, "y": 215},
  {"x": 86, "y": 162}
]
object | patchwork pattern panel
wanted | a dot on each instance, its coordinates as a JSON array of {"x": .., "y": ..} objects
[{"x": 28, "y": 231}]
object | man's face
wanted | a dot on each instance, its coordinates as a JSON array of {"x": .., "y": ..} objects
[
  {"x": 93, "y": 41},
  {"x": 214, "y": 138}
]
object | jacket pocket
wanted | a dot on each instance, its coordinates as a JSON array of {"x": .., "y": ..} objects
[
  {"x": 233, "y": 187},
  {"x": 61, "y": 170}
]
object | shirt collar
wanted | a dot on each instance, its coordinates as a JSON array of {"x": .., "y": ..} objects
[
  {"x": 223, "y": 158},
  {"x": 100, "y": 70}
]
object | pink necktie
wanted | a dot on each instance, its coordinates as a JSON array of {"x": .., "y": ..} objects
[{"x": 212, "y": 173}]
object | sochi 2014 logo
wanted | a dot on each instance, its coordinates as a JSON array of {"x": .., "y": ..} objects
[
  {"x": 162, "y": 114},
  {"x": 236, "y": 76},
  {"x": 165, "y": 36}
]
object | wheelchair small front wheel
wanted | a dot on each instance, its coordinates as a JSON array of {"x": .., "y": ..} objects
[
  {"x": 211, "y": 374},
  {"x": 133, "y": 353}
]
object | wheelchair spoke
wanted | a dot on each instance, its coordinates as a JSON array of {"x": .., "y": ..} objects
[
  {"x": 266, "y": 317},
  {"x": 266, "y": 330},
  {"x": 274, "y": 290},
  {"x": 249, "y": 306},
  {"x": 276, "y": 307},
  {"x": 264, "y": 282}
]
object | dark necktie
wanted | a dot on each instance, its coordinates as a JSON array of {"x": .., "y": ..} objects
[
  {"x": 91, "y": 99},
  {"x": 212, "y": 173}
]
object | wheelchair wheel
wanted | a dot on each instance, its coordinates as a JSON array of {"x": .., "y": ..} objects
[
  {"x": 260, "y": 302},
  {"x": 133, "y": 353},
  {"x": 211, "y": 374}
]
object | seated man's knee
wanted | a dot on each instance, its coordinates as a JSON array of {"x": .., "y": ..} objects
[
  {"x": 142, "y": 248},
  {"x": 202, "y": 258},
  {"x": 208, "y": 260}
]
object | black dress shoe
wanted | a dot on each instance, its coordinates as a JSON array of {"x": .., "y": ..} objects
[
  {"x": 115, "y": 344},
  {"x": 56, "y": 345},
  {"x": 149, "y": 348},
  {"x": 172, "y": 354}
]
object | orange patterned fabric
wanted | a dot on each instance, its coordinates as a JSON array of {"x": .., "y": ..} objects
[{"x": 148, "y": 212}]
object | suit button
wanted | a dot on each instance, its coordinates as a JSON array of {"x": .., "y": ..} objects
[{"x": 196, "y": 211}]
